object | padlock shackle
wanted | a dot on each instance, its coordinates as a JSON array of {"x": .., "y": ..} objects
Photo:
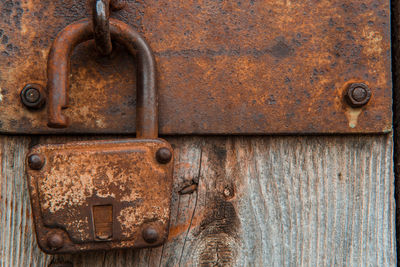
[{"x": 58, "y": 68}]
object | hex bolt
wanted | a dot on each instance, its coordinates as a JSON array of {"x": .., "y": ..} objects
[
  {"x": 150, "y": 235},
  {"x": 55, "y": 241},
  {"x": 33, "y": 96},
  {"x": 358, "y": 95},
  {"x": 164, "y": 155},
  {"x": 35, "y": 161}
]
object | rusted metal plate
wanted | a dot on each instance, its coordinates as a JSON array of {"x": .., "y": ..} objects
[
  {"x": 224, "y": 67},
  {"x": 100, "y": 195}
]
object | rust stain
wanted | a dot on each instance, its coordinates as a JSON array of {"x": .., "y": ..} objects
[
  {"x": 177, "y": 230},
  {"x": 352, "y": 115},
  {"x": 226, "y": 67}
]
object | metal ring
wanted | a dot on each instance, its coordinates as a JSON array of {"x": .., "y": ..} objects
[{"x": 101, "y": 26}]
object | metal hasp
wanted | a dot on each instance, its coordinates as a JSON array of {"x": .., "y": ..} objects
[
  {"x": 224, "y": 67},
  {"x": 101, "y": 195}
]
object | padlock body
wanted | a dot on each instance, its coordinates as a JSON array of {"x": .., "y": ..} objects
[{"x": 100, "y": 195}]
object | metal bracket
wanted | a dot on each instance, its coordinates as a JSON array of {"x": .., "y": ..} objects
[{"x": 258, "y": 67}]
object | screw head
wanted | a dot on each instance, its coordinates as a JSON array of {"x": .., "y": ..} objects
[
  {"x": 32, "y": 96},
  {"x": 164, "y": 155},
  {"x": 358, "y": 95},
  {"x": 35, "y": 161},
  {"x": 55, "y": 241},
  {"x": 150, "y": 235}
]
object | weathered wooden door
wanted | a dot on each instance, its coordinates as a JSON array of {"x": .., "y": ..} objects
[{"x": 321, "y": 200}]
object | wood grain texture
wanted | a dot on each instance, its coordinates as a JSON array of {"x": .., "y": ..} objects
[
  {"x": 260, "y": 201},
  {"x": 17, "y": 240}
]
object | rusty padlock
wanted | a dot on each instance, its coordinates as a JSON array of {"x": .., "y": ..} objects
[{"x": 100, "y": 195}]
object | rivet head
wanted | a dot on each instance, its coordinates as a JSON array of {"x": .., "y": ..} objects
[
  {"x": 55, "y": 241},
  {"x": 358, "y": 95},
  {"x": 150, "y": 235},
  {"x": 33, "y": 96},
  {"x": 164, "y": 155},
  {"x": 35, "y": 161}
]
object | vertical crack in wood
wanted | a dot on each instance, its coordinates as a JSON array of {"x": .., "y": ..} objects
[{"x": 194, "y": 209}]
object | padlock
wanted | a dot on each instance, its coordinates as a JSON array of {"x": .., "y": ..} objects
[{"x": 101, "y": 195}]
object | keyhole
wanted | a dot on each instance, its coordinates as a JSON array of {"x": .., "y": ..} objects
[{"x": 103, "y": 222}]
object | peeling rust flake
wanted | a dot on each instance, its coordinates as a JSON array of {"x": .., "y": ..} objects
[{"x": 224, "y": 67}]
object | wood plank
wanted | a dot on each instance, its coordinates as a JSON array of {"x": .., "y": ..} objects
[
  {"x": 17, "y": 240},
  {"x": 260, "y": 201}
]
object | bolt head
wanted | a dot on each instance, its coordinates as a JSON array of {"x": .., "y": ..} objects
[
  {"x": 358, "y": 95},
  {"x": 35, "y": 161},
  {"x": 150, "y": 235},
  {"x": 55, "y": 241},
  {"x": 164, "y": 155},
  {"x": 32, "y": 96}
]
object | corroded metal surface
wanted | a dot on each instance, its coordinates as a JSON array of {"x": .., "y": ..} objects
[
  {"x": 100, "y": 195},
  {"x": 241, "y": 67}
]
